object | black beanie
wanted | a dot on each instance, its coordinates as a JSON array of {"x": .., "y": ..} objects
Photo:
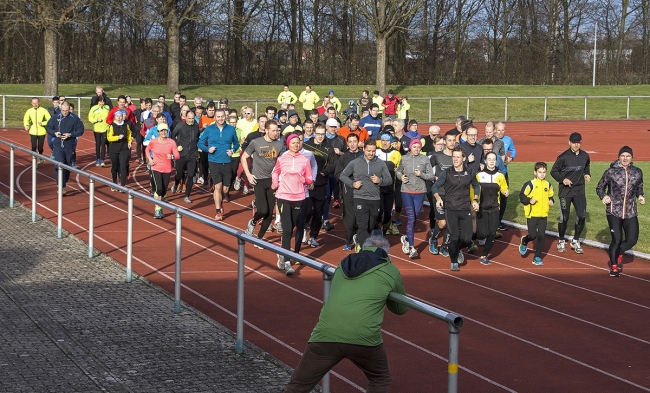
[{"x": 625, "y": 149}]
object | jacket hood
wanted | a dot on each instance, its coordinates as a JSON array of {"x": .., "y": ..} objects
[
  {"x": 491, "y": 172},
  {"x": 617, "y": 164},
  {"x": 354, "y": 265}
]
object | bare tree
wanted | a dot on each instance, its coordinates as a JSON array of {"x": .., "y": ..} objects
[
  {"x": 384, "y": 18},
  {"x": 465, "y": 12},
  {"x": 48, "y": 17}
]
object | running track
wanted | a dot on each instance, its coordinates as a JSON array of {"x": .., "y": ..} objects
[{"x": 566, "y": 326}]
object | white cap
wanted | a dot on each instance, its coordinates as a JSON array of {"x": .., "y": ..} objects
[{"x": 332, "y": 123}]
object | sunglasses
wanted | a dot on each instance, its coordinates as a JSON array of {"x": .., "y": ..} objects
[{"x": 247, "y": 113}]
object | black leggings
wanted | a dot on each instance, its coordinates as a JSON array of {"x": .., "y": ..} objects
[
  {"x": 37, "y": 141},
  {"x": 487, "y": 223},
  {"x": 119, "y": 165},
  {"x": 459, "y": 225},
  {"x": 580, "y": 205},
  {"x": 100, "y": 145},
  {"x": 536, "y": 229},
  {"x": 138, "y": 146},
  {"x": 386, "y": 206},
  {"x": 290, "y": 215},
  {"x": 617, "y": 226},
  {"x": 398, "y": 197},
  {"x": 159, "y": 183},
  {"x": 265, "y": 202},
  {"x": 182, "y": 164}
]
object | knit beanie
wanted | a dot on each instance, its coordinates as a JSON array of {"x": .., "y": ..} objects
[{"x": 625, "y": 149}]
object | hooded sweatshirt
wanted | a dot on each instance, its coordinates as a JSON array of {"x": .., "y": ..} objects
[
  {"x": 361, "y": 169},
  {"x": 290, "y": 175},
  {"x": 354, "y": 310},
  {"x": 407, "y": 166}
]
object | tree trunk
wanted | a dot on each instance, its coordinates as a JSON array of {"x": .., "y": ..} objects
[
  {"x": 621, "y": 33},
  {"x": 51, "y": 77},
  {"x": 381, "y": 64},
  {"x": 504, "y": 42},
  {"x": 316, "y": 41},
  {"x": 173, "y": 43},
  {"x": 645, "y": 22}
]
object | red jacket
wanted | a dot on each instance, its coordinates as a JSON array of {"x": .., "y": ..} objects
[
  {"x": 390, "y": 105},
  {"x": 111, "y": 115}
]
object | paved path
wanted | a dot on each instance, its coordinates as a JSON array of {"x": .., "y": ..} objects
[{"x": 70, "y": 324}]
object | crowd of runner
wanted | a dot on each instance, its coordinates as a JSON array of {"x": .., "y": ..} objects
[{"x": 367, "y": 158}]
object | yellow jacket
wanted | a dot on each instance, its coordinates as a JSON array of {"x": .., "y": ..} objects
[
  {"x": 287, "y": 97},
  {"x": 378, "y": 100},
  {"x": 309, "y": 100},
  {"x": 97, "y": 116},
  {"x": 337, "y": 104},
  {"x": 33, "y": 117},
  {"x": 542, "y": 192},
  {"x": 403, "y": 110}
]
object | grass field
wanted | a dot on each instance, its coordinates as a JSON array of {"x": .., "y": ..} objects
[
  {"x": 442, "y": 110},
  {"x": 596, "y": 227}
]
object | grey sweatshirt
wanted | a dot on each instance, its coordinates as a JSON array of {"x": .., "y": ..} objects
[
  {"x": 407, "y": 166},
  {"x": 361, "y": 170}
]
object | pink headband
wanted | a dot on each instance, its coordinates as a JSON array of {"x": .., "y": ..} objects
[
  {"x": 290, "y": 137},
  {"x": 414, "y": 141}
]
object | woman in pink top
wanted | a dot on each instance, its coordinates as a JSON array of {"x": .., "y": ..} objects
[
  {"x": 290, "y": 176},
  {"x": 160, "y": 153}
]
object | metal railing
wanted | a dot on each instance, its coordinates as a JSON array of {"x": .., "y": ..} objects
[
  {"x": 454, "y": 322},
  {"x": 466, "y": 106}
]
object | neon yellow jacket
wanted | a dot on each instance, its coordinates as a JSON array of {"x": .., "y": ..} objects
[
  {"x": 97, "y": 116},
  {"x": 287, "y": 97},
  {"x": 542, "y": 192},
  {"x": 403, "y": 109},
  {"x": 337, "y": 104},
  {"x": 309, "y": 100},
  {"x": 33, "y": 117},
  {"x": 378, "y": 100}
]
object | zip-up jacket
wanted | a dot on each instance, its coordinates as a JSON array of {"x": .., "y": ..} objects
[
  {"x": 457, "y": 187},
  {"x": 223, "y": 139},
  {"x": 32, "y": 117},
  {"x": 624, "y": 186},
  {"x": 344, "y": 160},
  {"x": 354, "y": 311},
  {"x": 287, "y": 97},
  {"x": 65, "y": 125},
  {"x": 324, "y": 155},
  {"x": 392, "y": 158},
  {"x": 290, "y": 175},
  {"x": 390, "y": 105},
  {"x": 372, "y": 125},
  {"x": 493, "y": 184},
  {"x": 475, "y": 149},
  {"x": 407, "y": 166},
  {"x": 187, "y": 136},
  {"x": 97, "y": 116},
  {"x": 542, "y": 192},
  {"x": 309, "y": 100},
  {"x": 440, "y": 162},
  {"x": 115, "y": 144},
  {"x": 361, "y": 170},
  {"x": 572, "y": 166}
]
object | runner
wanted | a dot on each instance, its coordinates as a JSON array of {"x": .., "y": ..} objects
[
  {"x": 160, "y": 152},
  {"x": 493, "y": 185}
]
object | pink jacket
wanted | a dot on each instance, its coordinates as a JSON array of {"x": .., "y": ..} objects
[
  {"x": 160, "y": 151},
  {"x": 290, "y": 175}
]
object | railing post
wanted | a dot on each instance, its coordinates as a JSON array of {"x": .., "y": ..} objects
[
  {"x": 129, "y": 239},
  {"x": 59, "y": 218},
  {"x": 33, "y": 188},
  {"x": 4, "y": 111},
  {"x": 467, "y": 114},
  {"x": 430, "y": 113},
  {"x": 627, "y": 113},
  {"x": 545, "y": 107},
  {"x": 452, "y": 362},
  {"x": 91, "y": 218},
  {"x": 79, "y": 107},
  {"x": 256, "y": 113},
  {"x": 177, "y": 264},
  {"x": 506, "y": 114},
  {"x": 327, "y": 284},
  {"x": 585, "y": 107},
  {"x": 11, "y": 176},
  {"x": 241, "y": 260}
]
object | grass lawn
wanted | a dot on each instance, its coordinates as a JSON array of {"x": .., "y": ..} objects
[
  {"x": 596, "y": 227},
  {"x": 442, "y": 110}
]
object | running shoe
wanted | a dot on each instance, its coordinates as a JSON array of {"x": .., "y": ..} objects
[
  {"x": 472, "y": 249},
  {"x": 481, "y": 242},
  {"x": 336, "y": 205},
  {"x": 485, "y": 261},
  {"x": 461, "y": 258},
  {"x": 502, "y": 227},
  {"x": 102, "y": 163},
  {"x": 328, "y": 226},
  {"x": 561, "y": 246},
  {"x": 614, "y": 271},
  {"x": 406, "y": 247},
  {"x": 522, "y": 247},
  {"x": 219, "y": 216},
  {"x": 537, "y": 261},
  {"x": 278, "y": 227},
  {"x": 620, "y": 263},
  {"x": 433, "y": 246},
  {"x": 575, "y": 244},
  {"x": 237, "y": 184},
  {"x": 97, "y": 163},
  {"x": 392, "y": 229},
  {"x": 63, "y": 192},
  {"x": 304, "y": 237},
  {"x": 444, "y": 251},
  {"x": 174, "y": 189},
  {"x": 354, "y": 239},
  {"x": 246, "y": 191},
  {"x": 250, "y": 228},
  {"x": 413, "y": 253},
  {"x": 199, "y": 180},
  {"x": 348, "y": 247},
  {"x": 312, "y": 242},
  {"x": 280, "y": 262},
  {"x": 498, "y": 235},
  {"x": 398, "y": 222},
  {"x": 288, "y": 270},
  {"x": 187, "y": 200},
  {"x": 454, "y": 267}
]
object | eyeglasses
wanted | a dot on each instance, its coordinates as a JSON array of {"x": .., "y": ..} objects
[{"x": 320, "y": 134}]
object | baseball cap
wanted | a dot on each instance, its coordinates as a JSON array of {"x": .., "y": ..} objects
[
  {"x": 331, "y": 123},
  {"x": 163, "y": 126},
  {"x": 391, "y": 91},
  {"x": 389, "y": 128},
  {"x": 292, "y": 112},
  {"x": 282, "y": 112},
  {"x": 331, "y": 91},
  {"x": 575, "y": 138}
]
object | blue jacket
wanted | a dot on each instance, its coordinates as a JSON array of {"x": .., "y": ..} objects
[
  {"x": 372, "y": 125},
  {"x": 70, "y": 124},
  {"x": 224, "y": 139}
]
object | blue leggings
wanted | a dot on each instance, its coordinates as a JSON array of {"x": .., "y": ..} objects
[{"x": 412, "y": 204}]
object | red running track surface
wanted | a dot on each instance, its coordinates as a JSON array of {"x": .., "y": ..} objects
[{"x": 566, "y": 326}]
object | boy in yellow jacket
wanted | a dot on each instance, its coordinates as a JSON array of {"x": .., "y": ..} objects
[
  {"x": 34, "y": 121},
  {"x": 537, "y": 196}
]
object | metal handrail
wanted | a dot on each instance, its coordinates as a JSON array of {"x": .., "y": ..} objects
[{"x": 454, "y": 322}]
